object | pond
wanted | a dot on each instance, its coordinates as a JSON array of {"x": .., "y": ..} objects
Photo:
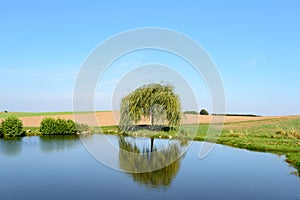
[{"x": 62, "y": 168}]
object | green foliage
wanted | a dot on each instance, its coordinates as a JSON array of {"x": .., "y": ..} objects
[
  {"x": 82, "y": 128},
  {"x": 155, "y": 101},
  {"x": 191, "y": 112},
  {"x": 50, "y": 126},
  {"x": 12, "y": 127},
  {"x": 204, "y": 112}
]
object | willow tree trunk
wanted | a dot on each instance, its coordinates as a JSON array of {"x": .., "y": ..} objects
[
  {"x": 152, "y": 141},
  {"x": 151, "y": 119}
]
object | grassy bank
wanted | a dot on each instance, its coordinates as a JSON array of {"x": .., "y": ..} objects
[{"x": 279, "y": 136}]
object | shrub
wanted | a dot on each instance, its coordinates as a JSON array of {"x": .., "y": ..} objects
[
  {"x": 204, "y": 112},
  {"x": 12, "y": 127},
  {"x": 47, "y": 126},
  {"x": 50, "y": 126}
]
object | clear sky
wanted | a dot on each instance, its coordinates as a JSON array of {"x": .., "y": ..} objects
[{"x": 254, "y": 44}]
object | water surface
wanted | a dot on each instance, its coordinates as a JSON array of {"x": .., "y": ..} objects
[{"x": 61, "y": 168}]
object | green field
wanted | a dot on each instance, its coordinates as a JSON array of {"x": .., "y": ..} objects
[{"x": 32, "y": 114}]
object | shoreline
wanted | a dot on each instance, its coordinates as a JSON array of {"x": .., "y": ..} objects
[{"x": 279, "y": 135}]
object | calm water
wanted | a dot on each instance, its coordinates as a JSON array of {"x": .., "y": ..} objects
[{"x": 61, "y": 168}]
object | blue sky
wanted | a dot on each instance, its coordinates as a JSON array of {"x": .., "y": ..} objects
[{"x": 254, "y": 44}]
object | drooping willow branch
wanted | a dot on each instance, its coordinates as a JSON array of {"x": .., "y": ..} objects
[{"x": 155, "y": 101}]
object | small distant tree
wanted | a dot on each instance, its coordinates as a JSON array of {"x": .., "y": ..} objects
[
  {"x": 12, "y": 127},
  {"x": 5, "y": 111},
  {"x": 204, "y": 112}
]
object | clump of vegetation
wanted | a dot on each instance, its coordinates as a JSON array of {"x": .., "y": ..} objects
[
  {"x": 204, "y": 112},
  {"x": 192, "y": 112},
  {"x": 289, "y": 133},
  {"x": 50, "y": 126},
  {"x": 11, "y": 127},
  {"x": 82, "y": 128}
]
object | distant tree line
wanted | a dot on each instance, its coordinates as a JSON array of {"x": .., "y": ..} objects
[
  {"x": 202, "y": 112},
  {"x": 241, "y": 115},
  {"x": 191, "y": 112},
  {"x": 205, "y": 112}
]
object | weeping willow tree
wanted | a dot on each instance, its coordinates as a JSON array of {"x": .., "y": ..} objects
[
  {"x": 153, "y": 169},
  {"x": 157, "y": 102}
]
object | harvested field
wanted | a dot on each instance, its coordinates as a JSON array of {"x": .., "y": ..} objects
[{"x": 109, "y": 118}]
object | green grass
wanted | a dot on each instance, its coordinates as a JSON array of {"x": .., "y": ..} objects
[
  {"x": 32, "y": 131},
  {"x": 35, "y": 131},
  {"x": 279, "y": 136},
  {"x": 32, "y": 114}
]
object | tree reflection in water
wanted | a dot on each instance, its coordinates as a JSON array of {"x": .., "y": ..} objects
[
  {"x": 10, "y": 147},
  {"x": 59, "y": 143},
  {"x": 156, "y": 168}
]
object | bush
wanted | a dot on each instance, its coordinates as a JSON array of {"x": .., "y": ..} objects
[
  {"x": 47, "y": 126},
  {"x": 12, "y": 127},
  {"x": 50, "y": 126},
  {"x": 204, "y": 112}
]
